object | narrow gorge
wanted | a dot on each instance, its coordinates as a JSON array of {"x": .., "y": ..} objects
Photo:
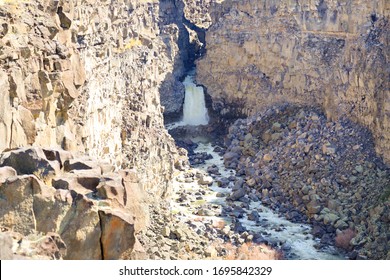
[{"x": 181, "y": 130}]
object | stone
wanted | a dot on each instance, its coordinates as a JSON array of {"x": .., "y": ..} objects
[
  {"x": 253, "y": 216},
  {"x": 17, "y": 203},
  {"x": 118, "y": 234},
  {"x": 211, "y": 252},
  {"x": 359, "y": 169},
  {"x": 29, "y": 161},
  {"x": 251, "y": 182},
  {"x": 6, "y": 172},
  {"x": 230, "y": 156},
  {"x": 82, "y": 232},
  {"x": 205, "y": 180},
  {"x": 313, "y": 208},
  {"x": 328, "y": 149},
  {"x": 166, "y": 231},
  {"x": 6, "y": 247},
  {"x": 341, "y": 225},
  {"x": 135, "y": 199},
  {"x": 236, "y": 195},
  {"x": 220, "y": 194},
  {"x": 268, "y": 157},
  {"x": 111, "y": 190},
  {"x": 330, "y": 218}
]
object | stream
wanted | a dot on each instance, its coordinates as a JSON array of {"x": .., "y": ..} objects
[
  {"x": 208, "y": 201},
  {"x": 293, "y": 239}
]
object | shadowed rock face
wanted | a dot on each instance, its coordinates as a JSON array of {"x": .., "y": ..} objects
[{"x": 329, "y": 53}]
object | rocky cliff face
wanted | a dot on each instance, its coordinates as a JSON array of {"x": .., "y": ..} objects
[
  {"x": 86, "y": 77},
  {"x": 326, "y": 52}
]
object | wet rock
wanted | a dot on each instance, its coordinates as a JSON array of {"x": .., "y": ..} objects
[
  {"x": 230, "y": 156},
  {"x": 254, "y": 216},
  {"x": 220, "y": 194},
  {"x": 213, "y": 170},
  {"x": 236, "y": 195},
  {"x": 222, "y": 182},
  {"x": 238, "y": 227}
]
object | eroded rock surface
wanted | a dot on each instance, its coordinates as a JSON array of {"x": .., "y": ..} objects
[
  {"x": 95, "y": 214},
  {"x": 329, "y": 53},
  {"x": 85, "y": 76}
]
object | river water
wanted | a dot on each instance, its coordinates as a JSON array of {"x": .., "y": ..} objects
[{"x": 294, "y": 238}]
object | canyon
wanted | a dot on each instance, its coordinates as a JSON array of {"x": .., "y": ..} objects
[{"x": 285, "y": 125}]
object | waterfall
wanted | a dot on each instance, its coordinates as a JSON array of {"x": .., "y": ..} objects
[{"x": 194, "y": 111}]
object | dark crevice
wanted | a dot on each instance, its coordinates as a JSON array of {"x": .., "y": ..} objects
[{"x": 101, "y": 235}]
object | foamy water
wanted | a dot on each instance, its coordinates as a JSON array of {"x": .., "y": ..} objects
[{"x": 276, "y": 228}]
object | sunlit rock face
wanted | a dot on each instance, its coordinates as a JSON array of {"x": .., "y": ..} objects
[
  {"x": 85, "y": 76},
  {"x": 329, "y": 53}
]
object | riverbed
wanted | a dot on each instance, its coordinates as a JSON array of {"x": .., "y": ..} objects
[{"x": 205, "y": 204}]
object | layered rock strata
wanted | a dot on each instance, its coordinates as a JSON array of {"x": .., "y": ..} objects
[{"x": 330, "y": 53}]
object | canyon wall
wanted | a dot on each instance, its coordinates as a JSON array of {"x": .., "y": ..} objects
[
  {"x": 85, "y": 76},
  {"x": 80, "y": 81},
  {"x": 330, "y": 53}
]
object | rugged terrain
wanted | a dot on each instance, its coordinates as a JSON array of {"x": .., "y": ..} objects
[
  {"x": 330, "y": 53},
  {"x": 88, "y": 170},
  {"x": 318, "y": 171}
]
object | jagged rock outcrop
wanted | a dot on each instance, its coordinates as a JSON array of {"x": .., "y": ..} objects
[
  {"x": 94, "y": 211},
  {"x": 326, "y": 52}
]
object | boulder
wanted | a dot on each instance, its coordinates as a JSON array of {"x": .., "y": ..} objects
[
  {"x": 17, "y": 203},
  {"x": 236, "y": 195},
  {"x": 81, "y": 230},
  {"x": 330, "y": 218},
  {"x": 6, "y": 172},
  {"x": 135, "y": 199},
  {"x": 117, "y": 239},
  {"x": 29, "y": 161},
  {"x": 313, "y": 207},
  {"x": 40, "y": 246},
  {"x": 205, "y": 180},
  {"x": 111, "y": 190},
  {"x": 230, "y": 156},
  {"x": 166, "y": 231}
]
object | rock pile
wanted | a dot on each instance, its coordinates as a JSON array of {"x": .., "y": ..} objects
[{"x": 315, "y": 170}]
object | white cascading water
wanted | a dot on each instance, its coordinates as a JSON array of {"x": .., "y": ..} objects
[{"x": 194, "y": 111}]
